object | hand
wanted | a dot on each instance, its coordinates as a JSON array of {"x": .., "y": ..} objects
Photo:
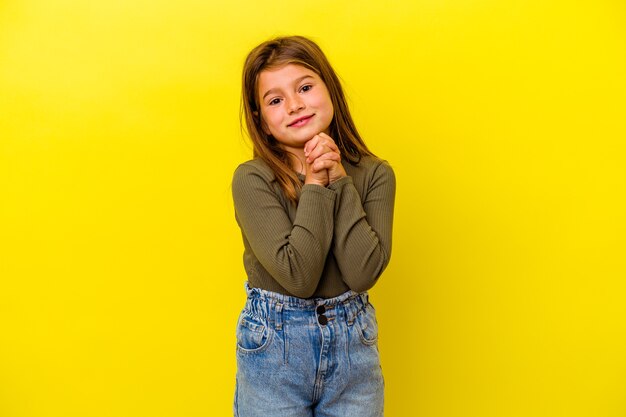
[
  {"x": 316, "y": 174},
  {"x": 322, "y": 153}
]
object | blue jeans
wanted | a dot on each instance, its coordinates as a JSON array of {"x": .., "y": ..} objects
[{"x": 308, "y": 357}]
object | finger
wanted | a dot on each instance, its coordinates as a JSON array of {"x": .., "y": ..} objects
[
  {"x": 322, "y": 146},
  {"x": 322, "y": 150},
  {"x": 317, "y": 167},
  {"x": 331, "y": 156},
  {"x": 324, "y": 138},
  {"x": 320, "y": 138},
  {"x": 322, "y": 164},
  {"x": 319, "y": 150},
  {"x": 330, "y": 141},
  {"x": 310, "y": 144}
]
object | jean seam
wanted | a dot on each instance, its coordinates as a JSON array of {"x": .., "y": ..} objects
[{"x": 260, "y": 349}]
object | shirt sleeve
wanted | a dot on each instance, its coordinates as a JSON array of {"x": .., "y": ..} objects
[
  {"x": 363, "y": 230},
  {"x": 293, "y": 253}
]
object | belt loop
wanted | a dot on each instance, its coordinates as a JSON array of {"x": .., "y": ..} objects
[
  {"x": 279, "y": 316},
  {"x": 348, "y": 310},
  {"x": 364, "y": 299}
]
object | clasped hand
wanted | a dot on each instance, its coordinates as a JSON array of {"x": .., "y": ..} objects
[{"x": 323, "y": 161}]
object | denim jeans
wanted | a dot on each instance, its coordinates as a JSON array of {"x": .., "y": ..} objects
[{"x": 307, "y": 357}]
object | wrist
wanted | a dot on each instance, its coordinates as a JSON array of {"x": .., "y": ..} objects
[
  {"x": 340, "y": 182},
  {"x": 314, "y": 182},
  {"x": 335, "y": 179}
]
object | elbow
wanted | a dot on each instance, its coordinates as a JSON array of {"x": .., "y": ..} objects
[
  {"x": 359, "y": 284},
  {"x": 298, "y": 275},
  {"x": 362, "y": 287},
  {"x": 363, "y": 279},
  {"x": 302, "y": 283}
]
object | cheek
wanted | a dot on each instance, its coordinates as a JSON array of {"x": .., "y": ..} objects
[
  {"x": 326, "y": 103},
  {"x": 331, "y": 108}
]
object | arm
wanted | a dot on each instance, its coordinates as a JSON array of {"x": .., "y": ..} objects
[
  {"x": 294, "y": 254},
  {"x": 362, "y": 237}
]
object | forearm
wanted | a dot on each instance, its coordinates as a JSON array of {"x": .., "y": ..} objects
[
  {"x": 293, "y": 253},
  {"x": 295, "y": 258},
  {"x": 363, "y": 231}
]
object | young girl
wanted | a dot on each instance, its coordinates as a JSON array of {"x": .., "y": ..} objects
[{"x": 315, "y": 208}]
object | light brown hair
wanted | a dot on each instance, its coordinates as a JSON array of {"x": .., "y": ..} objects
[{"x": 300, "y": 51}]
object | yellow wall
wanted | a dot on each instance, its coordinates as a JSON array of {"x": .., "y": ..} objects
[{"x": 121, "y": 274}]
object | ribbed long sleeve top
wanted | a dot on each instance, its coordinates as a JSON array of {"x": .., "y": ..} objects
[{"x": 335, "y": 239}]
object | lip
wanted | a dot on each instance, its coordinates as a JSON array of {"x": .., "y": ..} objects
[{"x": 301, "y": 121}]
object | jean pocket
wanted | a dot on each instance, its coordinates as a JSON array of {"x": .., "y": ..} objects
[
  {"x": 367, "y": 325},
  {"x": 253, "y": 334}
]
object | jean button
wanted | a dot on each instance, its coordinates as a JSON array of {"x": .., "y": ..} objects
[
  {"x": 323, "y": 320},
  {"x": 320, "y": 309}
]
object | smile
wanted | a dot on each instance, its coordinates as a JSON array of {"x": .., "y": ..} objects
[{"x": 301, "y": 121}]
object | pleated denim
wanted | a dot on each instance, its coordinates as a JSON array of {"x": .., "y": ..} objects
[{"x": 308, "y": 357}]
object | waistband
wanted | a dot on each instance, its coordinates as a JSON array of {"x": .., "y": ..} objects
[
  {"x": 272, "y": 305},
  {"x": 287, "y": 300}
]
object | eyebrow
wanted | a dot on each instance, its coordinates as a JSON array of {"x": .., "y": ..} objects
[{"x": 298, "y": 80}]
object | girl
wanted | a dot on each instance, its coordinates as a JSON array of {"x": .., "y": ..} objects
[{"x": 315, "y": 208}]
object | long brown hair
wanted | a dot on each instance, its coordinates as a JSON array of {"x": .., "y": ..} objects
[{"x": 300, "y": 51}]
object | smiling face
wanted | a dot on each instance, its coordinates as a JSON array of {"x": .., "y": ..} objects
[{"x": 295, "y": 105}]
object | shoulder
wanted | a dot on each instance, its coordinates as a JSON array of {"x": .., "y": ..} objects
[
  {"x": 252, "y": 179},
  {"x": 253, "y": 168},
  {"x": 254, "y": 184},
  {"x": 370, "y": 168},
  {"x": 380, "y": 166}
]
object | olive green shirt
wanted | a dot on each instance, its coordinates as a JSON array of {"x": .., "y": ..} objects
[{"x": 337, "y": 238}]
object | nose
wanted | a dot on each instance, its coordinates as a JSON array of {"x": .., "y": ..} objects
[{"x": 295, "y": 104}]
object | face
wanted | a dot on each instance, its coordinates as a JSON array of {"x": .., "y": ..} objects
[{"x": 295, "y": 105}]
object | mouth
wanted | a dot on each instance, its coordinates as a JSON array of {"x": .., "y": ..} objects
[{"x": 301, "y": 121}]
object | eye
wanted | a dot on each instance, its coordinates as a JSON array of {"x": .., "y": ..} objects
[
  {"x": 274, "y": 102},
  {"x": 306, "y": 88}
]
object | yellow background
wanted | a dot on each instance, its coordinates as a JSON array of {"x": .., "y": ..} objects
[{"x": 121, "y": 272}]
